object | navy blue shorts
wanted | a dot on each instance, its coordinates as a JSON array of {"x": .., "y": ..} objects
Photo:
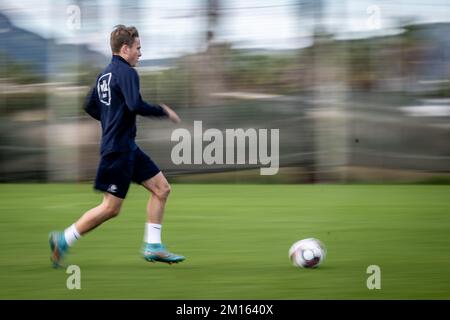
[{"x": 117, "y": 169}]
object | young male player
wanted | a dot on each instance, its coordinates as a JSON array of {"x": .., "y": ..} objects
[{"x": 115, "y": 101}]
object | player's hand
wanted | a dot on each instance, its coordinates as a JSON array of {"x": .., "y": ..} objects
[{"x": 171, "y": 114}]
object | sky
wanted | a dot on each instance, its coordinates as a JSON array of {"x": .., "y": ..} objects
[{"x": 170, "y": 28}]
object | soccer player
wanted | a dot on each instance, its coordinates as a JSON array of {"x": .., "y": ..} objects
[{"x": 115, "y": 101}]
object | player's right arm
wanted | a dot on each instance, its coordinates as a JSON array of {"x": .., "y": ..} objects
[{"x": 91, "y": 105}]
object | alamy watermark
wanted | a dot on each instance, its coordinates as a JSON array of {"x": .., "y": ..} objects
[
  {"x": 374, "y": 280},
  {"x": 73, "y": 21},
  {"x": 374, "y": 20},
  {"x": 74, "y": 280},
  {"x": 189, "y": 149}
]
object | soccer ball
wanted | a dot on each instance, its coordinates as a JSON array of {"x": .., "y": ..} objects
[{"x": 307, "y": 253}]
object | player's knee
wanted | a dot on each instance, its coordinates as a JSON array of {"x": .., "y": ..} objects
[
  {"x": 111, "y": 211},
  {"x": 163, "y": 190}
]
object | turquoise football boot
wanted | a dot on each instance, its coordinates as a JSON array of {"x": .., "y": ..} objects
[
  {"x": 58, "y": 248},
  {"x": 157, "y": 252}
]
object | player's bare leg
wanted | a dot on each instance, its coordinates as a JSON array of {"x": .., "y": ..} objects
[
  {"x": 153, "y": 249},
  {"x": 61, "y": 241},
  {"x": 160, "y": 190},
  {"x": 109, "y": 208}
]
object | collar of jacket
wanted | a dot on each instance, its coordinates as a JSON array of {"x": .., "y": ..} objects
[{"x": 116, "y": 57}]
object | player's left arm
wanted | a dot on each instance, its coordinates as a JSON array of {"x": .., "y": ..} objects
[
  {"x": 130, "y": 87},
  {"x": 171, "y": 114}
]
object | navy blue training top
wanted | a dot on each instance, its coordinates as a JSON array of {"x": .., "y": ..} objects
[{"x": 115, "y": 100}]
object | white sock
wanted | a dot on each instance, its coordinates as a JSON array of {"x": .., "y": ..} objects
[
  {"x": 152, "y": 233},
  {"x": 71, "y": 235}
]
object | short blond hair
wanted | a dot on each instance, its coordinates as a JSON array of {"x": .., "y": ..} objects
[{"x": 122, "y": 35}]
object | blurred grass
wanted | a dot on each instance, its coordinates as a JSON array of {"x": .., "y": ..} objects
[{"x": 236, "y": 239}]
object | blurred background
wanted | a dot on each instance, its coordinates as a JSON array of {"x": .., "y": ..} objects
[{"x": 360, "y": 90}]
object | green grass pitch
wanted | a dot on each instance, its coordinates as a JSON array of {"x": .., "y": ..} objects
[{"x": 236, "y": 239}]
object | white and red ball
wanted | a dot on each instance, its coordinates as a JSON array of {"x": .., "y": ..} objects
[{"x": 307, "y": 253}]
